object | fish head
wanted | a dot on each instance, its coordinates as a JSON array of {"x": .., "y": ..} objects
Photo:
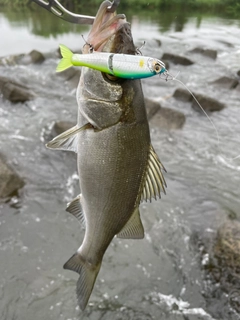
[
  {"x": 105, "y": 100},
  {"x": 110, "y": 33}
]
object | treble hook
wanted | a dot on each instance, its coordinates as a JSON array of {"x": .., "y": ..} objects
[{"x": 58, "y": 10}]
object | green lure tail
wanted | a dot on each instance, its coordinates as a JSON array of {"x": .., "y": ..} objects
[{"x": 66, "y": 61}]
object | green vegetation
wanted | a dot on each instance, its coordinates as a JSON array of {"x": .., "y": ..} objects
[{"x": 230, "y": 7}]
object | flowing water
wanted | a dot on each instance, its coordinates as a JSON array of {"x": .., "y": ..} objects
[{"x": 160, "y": 277}]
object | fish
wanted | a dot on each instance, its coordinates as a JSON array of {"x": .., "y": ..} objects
[
  {"x": 118, "y": 167},
  {"x": 119, "y": 65}
]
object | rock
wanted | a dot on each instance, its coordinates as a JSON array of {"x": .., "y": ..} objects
[
  {"x": 227, "y": 247},
  {"x": 176, "y": 59},
  {"x": 207, "y": 103},
  {"x": 36, "y": 56},
  {"x": 210, "y": 53},
  {"x": 152, "y": 107},
  {"x": 158, "y": 42},
  {"x": 238, "y": 87},
  {"x": 227, "y": 82},
  {"x": 10, "y": 181},
  {"x": 61, "y": 126},
  {"x": 14, "y": 91},
  {"x": 182, "y": 94},
  {"x": 72, "y": 75},
  {"x": 238, "y": 73},
  {"x": 33, "y": 57},
  {"x": 168, "y": 119}
]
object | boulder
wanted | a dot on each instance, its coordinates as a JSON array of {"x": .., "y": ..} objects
[
  {"x": 176, "y": 59},
  {"x": 227, "y": 247},
  {"x": 61, "y": 126},
  {"x": 207, "y": 103},
  {"x": 36, "y": 56},
  {"x": 14, "y": 91},
  {"x": 168, "y": 119},
  {"x": 210, "y": 53},
  {"x": 33, "y": 57},
  {"x": 183, "y": 95},
  {"x": 238, "y": 73},
  {"x": 10, "y": 181},
  {"x": 152, "y": 107},
  {"x": 71, "y": 75},
  {"x": 226, "y": 82}
]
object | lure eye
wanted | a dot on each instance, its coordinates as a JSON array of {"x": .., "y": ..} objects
[{"x": 157, "y": 68}]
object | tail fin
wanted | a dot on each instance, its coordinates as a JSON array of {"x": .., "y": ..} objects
[
  {"x": 88, "y": 274},
  {"x": 66, "y": 61}
]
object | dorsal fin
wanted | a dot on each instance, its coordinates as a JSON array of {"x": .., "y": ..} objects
[
  {"x": 133, "y": 229},
  {"x": 68, "y": 139},
  {"x": 75, "y": 208},
  {"x": 154, "y": 181}
]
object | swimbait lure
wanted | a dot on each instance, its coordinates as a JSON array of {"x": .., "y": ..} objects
[{"x": 119, "y": 65}]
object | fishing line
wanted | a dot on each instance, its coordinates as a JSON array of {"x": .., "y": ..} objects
[{"x": 170, "y": 77}]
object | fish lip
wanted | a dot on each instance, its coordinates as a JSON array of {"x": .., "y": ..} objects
[{"x": 105, "y": 25}]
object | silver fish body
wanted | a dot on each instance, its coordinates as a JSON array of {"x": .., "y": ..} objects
[{"x": 117, "y": 165}]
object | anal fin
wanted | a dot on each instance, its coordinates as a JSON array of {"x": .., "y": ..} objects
[
  {"x": 133, "y": 229},
  {"x": 75, "y": 208}
]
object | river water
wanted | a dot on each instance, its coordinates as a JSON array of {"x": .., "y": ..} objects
[{"x": 160, "y": 277}]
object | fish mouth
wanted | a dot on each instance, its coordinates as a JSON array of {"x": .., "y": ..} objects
[{"x": 105, "y": 28}]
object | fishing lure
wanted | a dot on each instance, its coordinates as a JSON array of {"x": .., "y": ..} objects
[{"x": 119, "y": 65}]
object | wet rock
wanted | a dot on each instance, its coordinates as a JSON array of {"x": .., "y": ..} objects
[
  {"x": 10, "y": 181},
  {"x": 168, "y": 119},
  {"x": 14, "y": 91},
  {"x": 158, "y": 42},
  {"x": 227, "y": 247},
  {"x": 238, "y": 87},
  {"x": 208, "y": 104},
  {"x": 210, "y": 53},
  {"x": 183, "y": 95},
  {"x": 61, "y": 126},
  {"x": 176, "y": 59},
  {"x": 36, "y": 56},
  {"x": 33, "y": 57},
  {"x": 71, "y": 75},
  {"x": 152, "y": 107},
  {"x": 226, "y": 82}
]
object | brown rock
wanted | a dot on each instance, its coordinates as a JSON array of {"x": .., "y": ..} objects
[
  {"x": 152, "y": 107},
  {"x": 226, "y": 82},
  {"x": 210, "y": 53},
  {"x": 207, "y": 103},
  {"x": 182, "y": 94},
  {"x": 14, "y": 91},
  {"x": 36, "y": 56},
  {"x": 61, "y": 126},
  {"x": 10, "y": 181},
  {"x": 176, "y": 59},
  {"x": 168, "y": 119}
]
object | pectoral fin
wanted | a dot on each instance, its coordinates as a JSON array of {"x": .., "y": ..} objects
[
  {"x": 133, "y": 228},
  {"x": 154, "y": 181},
  {"x": 75, "y": 208},
  {"x": 68, "y": 139}
]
